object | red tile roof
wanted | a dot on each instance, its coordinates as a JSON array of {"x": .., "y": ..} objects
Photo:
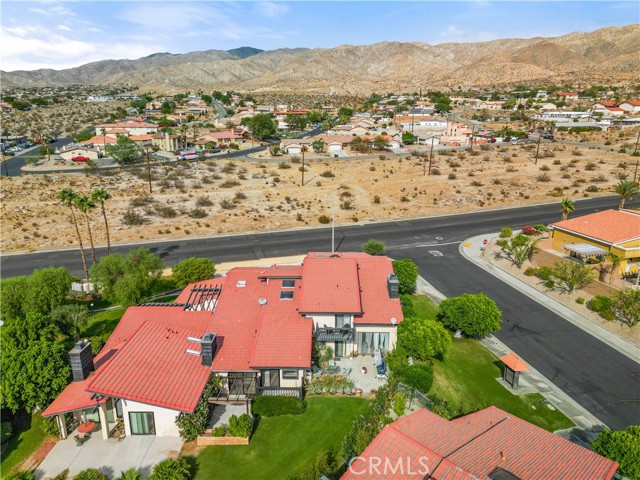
[
  {"x": 100, "y": 140},
  {"x": 377, "y": 307},
  {"x": 609, "y": 226},
  {"x": 282, "y": 271},
  {"x": 330, "y": 285},
  {"x": 74, "y": 397},
  {"x": 134, "y": 124},
  {"x": 514, "y": 362},
  {"x": 473, "y": 446},
  {"x": 154, "y": 368},
  {"x": 635, "y": 103},
  {"x": 608, "y": 103}
]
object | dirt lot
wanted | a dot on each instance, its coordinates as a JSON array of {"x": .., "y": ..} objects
[{"x": 215, "y": 197}]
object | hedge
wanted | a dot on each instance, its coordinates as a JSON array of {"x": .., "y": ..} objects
[
  {"x": 418, "y": 376},
  {"x": 273, "y": 406}
]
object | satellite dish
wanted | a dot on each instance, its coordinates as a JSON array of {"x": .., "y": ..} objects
[
  {"x": 394, "y": 320},
  {"x": 262, "y": 301},
  {"x": 346, "y": 325}
]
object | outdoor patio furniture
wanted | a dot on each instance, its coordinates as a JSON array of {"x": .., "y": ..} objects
[
  {"x": 346, "y": 371},
  {"x": 86, "y": 427},
  {"x": 80, "y": 440}
]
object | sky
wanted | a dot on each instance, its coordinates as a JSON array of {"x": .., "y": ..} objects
[{"x": 63, "y": 34}]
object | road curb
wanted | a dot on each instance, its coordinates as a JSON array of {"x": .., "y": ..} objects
[
  {"x": 582, "y": 418},
  {"x": 473, "y": 254}
]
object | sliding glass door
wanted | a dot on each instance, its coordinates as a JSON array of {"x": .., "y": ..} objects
[
  {"x": 142, "y": 423},
  {"x": 368, "y": 342}
]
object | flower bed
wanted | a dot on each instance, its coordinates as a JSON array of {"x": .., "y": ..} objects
[{"x": 328, "y": 384}]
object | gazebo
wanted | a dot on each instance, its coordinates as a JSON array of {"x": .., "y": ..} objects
[{"x": 513, "y": 366}]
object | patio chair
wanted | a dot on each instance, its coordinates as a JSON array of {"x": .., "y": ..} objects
[{"x": 80, "y": 440}]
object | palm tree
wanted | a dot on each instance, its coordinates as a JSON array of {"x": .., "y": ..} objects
[
  {"x": 615, "y": 261},
  {"x": 99, "y": 195},
  {"x": 84, "y": 203},
  {"x": 66, "y": 196},
  {"x": 103, "y": 131},
  {"x": 627, "y": 189},
  {"x": 567, "y": 207}
]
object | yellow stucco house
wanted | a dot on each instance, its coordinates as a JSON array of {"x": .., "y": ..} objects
[{"x": 601, "y": 233}]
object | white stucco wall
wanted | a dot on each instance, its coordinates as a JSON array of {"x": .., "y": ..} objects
[
  {"x": 322, "y": 319},
  {"x": 290, "y": 382},
  {"x": 165, "y": 418}
]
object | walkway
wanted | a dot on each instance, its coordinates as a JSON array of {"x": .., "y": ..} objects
[{"x": 110, "y": 456}]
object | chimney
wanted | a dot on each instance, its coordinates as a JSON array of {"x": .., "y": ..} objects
[
  {"x": 81, "y": 358},
  {"x": 393, "y": 286},
  {"x": 208, "y": 346}
]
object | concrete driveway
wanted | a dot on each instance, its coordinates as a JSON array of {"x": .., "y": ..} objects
[{"x": 110, "y": 456}]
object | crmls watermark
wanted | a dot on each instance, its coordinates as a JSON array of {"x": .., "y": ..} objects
[{"x": 389, "y": 466}]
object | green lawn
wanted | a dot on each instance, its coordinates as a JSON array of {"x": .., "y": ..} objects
[
  {"x": 466, "y": 380},
  {"x": 24, "y": 443},
  {"x": 283, "y": 446}
]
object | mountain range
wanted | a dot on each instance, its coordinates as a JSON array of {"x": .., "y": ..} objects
[{"x": 607, "y": 56}]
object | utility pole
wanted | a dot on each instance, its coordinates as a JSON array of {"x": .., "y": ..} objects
[
  {"x": 303, "y": 150},
  {"x": 6, "y": 169},
  {"x": 473, "y": 129},
  {"x": 430, "y": 155},
  {"x": 538, "y": 147},
  {"x": 149, "y": 168}
]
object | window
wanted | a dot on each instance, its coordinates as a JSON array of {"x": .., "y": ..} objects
[
  {"x": 284, "y": 295},
  {"x": 342, "y": 320},
  {"x": 142, "y": 423},
  {"x": 290, "y": 374},
  {"x": 288, "y": 283},
  {"x": 368, "y": 342}
]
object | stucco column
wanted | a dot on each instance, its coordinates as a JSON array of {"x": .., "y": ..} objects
[
  {"x": 62, "y": 426},
  {"x": 102, "y": 411}
]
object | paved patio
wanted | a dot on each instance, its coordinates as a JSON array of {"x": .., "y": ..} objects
[
  {"x": 222, "y": 413},
  {"x": 110, "y": 456},
  {"x": 365, "y": 381}
]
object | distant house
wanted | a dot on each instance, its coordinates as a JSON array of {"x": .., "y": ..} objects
[
  {"x": 614, "y": 112},
  {"x": 100, "y": 142},
  {"x": 603, "y": 106},
  {"x": 567, "y": 96},
  {"x": 226, "y": 137},
  {"x": 489, "y": 444},
  {"x": 253, "y": 329},
  {"x": 166, "y": 142},
  {"x": 294, "y": 146},
  {"x": 601, "y": 233},
  {"x": 336, "y": 143},
  {"x": 132, "y": 127},
  {"x": 79, "y": 151},
  {"x": 631, "y": 106}
]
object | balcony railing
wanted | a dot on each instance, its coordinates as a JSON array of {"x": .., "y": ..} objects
[
  {"x": 331, "y": 334},
  {"x": 281, "y": 391}
]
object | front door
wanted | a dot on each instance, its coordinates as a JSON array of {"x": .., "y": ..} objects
[{"x": 339, "y": 349}]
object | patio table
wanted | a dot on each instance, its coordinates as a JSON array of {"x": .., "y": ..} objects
[{"x": 86, "y": 427}]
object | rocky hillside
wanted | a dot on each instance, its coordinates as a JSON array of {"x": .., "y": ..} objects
[{"x": 609, "y": 56}]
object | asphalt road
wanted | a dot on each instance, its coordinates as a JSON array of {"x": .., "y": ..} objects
[{"x": 602, "y": 380}]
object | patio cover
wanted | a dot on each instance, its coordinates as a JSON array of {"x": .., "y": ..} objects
[
  {"x": 585, "y": 249},
  {"x": 74, "y": 397},
  {"x": 514, "y": 362}
]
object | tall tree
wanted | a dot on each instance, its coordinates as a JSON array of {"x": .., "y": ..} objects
[
  {"x": 71, "y": 318},
  {"x": 100, "y": 195},
  {"x": 66, "y": 196},
  {"x": 84, "y": 203},
  {"x": 567, "y": 207},
  {"x": 125, "y": 150},
  {"x": 627, "y": 189}
]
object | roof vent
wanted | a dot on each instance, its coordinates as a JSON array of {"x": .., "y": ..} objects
[
  {"x": 241, "y": 284},
  {"x": 262, "y": 301},
  {"x": 394, "y": 320},
  {"x": 193, "y": 352}
]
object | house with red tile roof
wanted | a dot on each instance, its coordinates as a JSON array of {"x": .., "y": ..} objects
[
  {"x": 567, "y": 96},
  {"x": 601, "y": 233},
  {"x": 632, "y": 106},
  {"x": 488, "y": 444},
  {"x": 129, "y": 127},
  {"x": 253, "y": 328}
]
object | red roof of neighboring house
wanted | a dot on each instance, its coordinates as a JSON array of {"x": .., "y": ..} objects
[
  {"x": 567, "y": 94},
  {"x": 282, "y": 271},
  {"x": 635, "y": 103},
  {"x": 330, "y": 285},
  {"x": 142, "y": 138},
  {"x": 128, "y": 124},
  {"x": 117, "y": 130},
  {"x": 609, "y": 226},
  {"x": 473, "y": 447},
  {"x": 608, "y": 103},
  {"x": 222, "y": 135},
  {"x": 155, "y": 368},
  {"x": 100, "y": 140},
  {"x": 615, "y": 109},
  {"x": 514, "y": 362}
]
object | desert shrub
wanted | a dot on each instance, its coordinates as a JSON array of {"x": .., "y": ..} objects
[
  {"x": 376, "y": 199},
  {"x": 545, "y": 168},
  {"x": 541, "y": 228},
  {"x": 580, "y": 300},
  {"x": 229, "y": 167},
  {"x": 324, "y": 219},
  {"x": 165, "y": 211},
  {"x": 229, "y": 184},
  {"x": 283, "y": 165},
  {"x": 197, "y": 213},
  {"x": 239, "y": 196},
  {"x": 327, "y": 174},
  {"x": 227, "y": 204},
  {"x": 531, "y": 271},
  {"x": 602, "y": 306},
  {"x": 550, "y": 284},
  {"x": 506, "y": 232},
  {"x": 204, "y": 201},
  {"x": 452, "y": 176},
  {"x": 240, "y": 426},
  {"x": 91, "y": 474},
  {"x": 544, "y": 273},
  {"x": 592, "y": 188},
  {"x": 435, "y": 171},
  {"x": 141, "y": 201},
  {"x": 590, "y": 166},
  {"x": 132, "y": 218},
  {"x": 545, "y": 177},
  {"x": 273, "y": 406},
  {"x": 530, "y": 231}
]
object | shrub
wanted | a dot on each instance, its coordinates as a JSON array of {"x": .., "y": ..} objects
[
  {"x": 197, "y": 213},
  {"x": 166, "y": 211},
  {"x": 452, "y": 176},
  {"x": 229, "y": 183},
  {"x": 602, "y": 306},
  {"x": 132, "y": 218},
  {"x": 531, "y": 271},
  {"x": 204, "y": 202},
  {"x": 435, "y": 171},
  {"x": 194, "y": 424},
  {"x": 6, "y": 430},
  {"x": 571, "y": 275},
  {"x": 545, "y": 177},
  {"x": 399, "y": 404},
  {"x": 623, "y": 447},
  {"x": 240, "y": 426},
  {"x": 324, "y": 219},
  {"x": 227, "y": 204},
  {"x": 544, "y": 273},
  {"x": 96, "y": 345},
  {"x": 376, "y": 199},
  {"x": 219, "y": 431},
  {"x": 373, "y": 247},
  {"x": 193, "y": 270},
  {"x": 473, "y": 315},
  {"x": 541, "y": 228},
  {"x": 418, "y": 376},
  {"x": 423, "y": 339},
  {"x": 273, "y": 406},
  {"x": 327, "y": 174},
  {"x": 580, "y": 300},
  {"x": 529, "y": 230},
  {"x": 506, "y": 232},
  {"x": 24, "y": 475},
  {"x": 550, "y": 284},
  {"x": 141, "y": 201},
  {"x": 626, "y": 306},
  {"x": 171, "y": 469},
  {"x": 519, "y": 248},
  {"x": 91, "y": 474}
]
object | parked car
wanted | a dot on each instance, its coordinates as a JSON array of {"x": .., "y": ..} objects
[
  {"x": 80, "y": 158},
  {"x": 548, "y": 136},
  {"x": 188, "y": 156},
  {"x": 53, "y": 140}
]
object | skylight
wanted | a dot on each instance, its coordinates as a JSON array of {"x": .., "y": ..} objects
[{"x": 286, "y": 295}]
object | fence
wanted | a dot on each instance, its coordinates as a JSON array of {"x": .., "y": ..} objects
[{"x": 415, "y": 397}]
